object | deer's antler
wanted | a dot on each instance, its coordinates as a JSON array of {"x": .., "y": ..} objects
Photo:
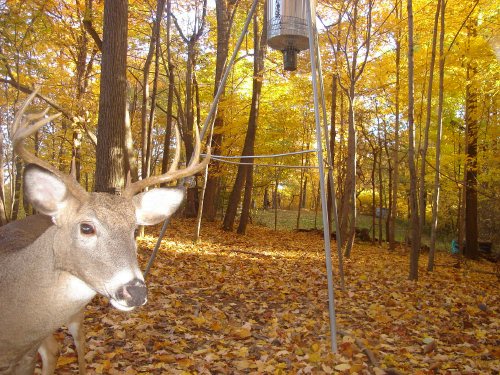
[
  {"x": 26, "y": 124},
  {"x": 173, "y": 173}
]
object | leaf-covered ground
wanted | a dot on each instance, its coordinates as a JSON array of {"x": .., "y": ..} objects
[{"x": 257, "y": 304}]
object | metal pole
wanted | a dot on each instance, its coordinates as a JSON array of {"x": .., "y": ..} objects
[
  {"x": 330, "y": 164},
  {"x": 155, "y": 250},
  {"x": 324, "y": 208}
]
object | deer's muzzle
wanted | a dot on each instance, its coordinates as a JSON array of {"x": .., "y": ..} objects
[{"x": 130, "y": 295}]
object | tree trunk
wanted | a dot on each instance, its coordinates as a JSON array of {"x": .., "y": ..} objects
[
  {"x": 415, "y": 232},
  {"x": 380, "y": 180},
  {"x": 395, "y": 153},
  {"x": 333, "y": 134},
  {"x": 435, "y": 197},
  {"x": 170, "y": 95},
  {"x": 152, "y": 110},
  {"x": 374, "y": 166},
  {"x": 422, "y": 188},
  {"x": 247, "y": 202},
  {"x": 83, "y": 69},
  {"x": 248, "y": 148},
  {"x": 191, "y": 205},
  {"x": 266, "y": 198},
  {"x": 130, "y": 159},
  {"x": 389, "y": 198},
  {"x": 349, "y": 212},
  {"x": 235, "y": 195},
  {"x": 380, "y": 192},
  {"x": 16, "y": 187},
  {"x": 390, "y": 170},
  {"x": 3, "y": 213},
  {"x": 145, "y": 107},
  {"x": 301, "y": 195},
  {"x": 223, "y": 12},
  {"x": 472, "y": 127},
  {"x": 110, "y": 151}
]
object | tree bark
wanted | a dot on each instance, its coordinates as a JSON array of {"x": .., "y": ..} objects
[
  {"x": 415, "y": 224},
  {"x": 224, "y": 22},
  {"x": 247, "y": 202},
  {"x": 83, "y": 68},
  {"x": 355, "y": 70},
  {"x": 374, "y": 167},
  {"x": 380, "y": 186},
  {"x": 260, "y": 49},
  {"x": 422, "y": 188},
  {"x": 435, "y": 197},
  {"x": 301, "y": 191},
  {"x": 333, "y": 134},
  {"x": 349, "y": 213},
  {"x": 110, "y": 152},
  {"x": 3, "y": 214},
  {"x": 146, "y": 109},
  {"x": 170, "y": 96},
  {"x": 191, "y": 204},
  {"x": 395, "y": 153},
  {"x": 246, "y": 171},
  {"x": 187, "y": 124},
  {"x": 472, "y": 127},
  {"x": 16, "y": 187}
]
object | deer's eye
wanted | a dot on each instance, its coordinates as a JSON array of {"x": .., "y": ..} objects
[{"x": 87, "y": 229}]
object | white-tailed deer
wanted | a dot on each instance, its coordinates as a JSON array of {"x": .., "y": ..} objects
[{"x": 80, "y": 244}]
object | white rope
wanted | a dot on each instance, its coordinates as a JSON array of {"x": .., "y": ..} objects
[
  {"x": 260, "y": 156},
  {"x": 264, "y": 165}
]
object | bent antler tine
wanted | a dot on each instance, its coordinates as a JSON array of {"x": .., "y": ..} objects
[
  {"x": 29, "y": 118},
  {"x": 24, "y": 132},
  {"x": 177, "y": 155},
  {"x": 20, "y": 112},
  {"x": 23, "y": 127},
  {"x": 173, "y": 174},
  {"x": 197, "y": 146}
]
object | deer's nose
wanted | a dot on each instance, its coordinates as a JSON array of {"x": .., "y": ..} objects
[{"x": 133, "y": 293}]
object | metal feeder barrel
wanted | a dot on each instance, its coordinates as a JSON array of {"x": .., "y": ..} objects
[{"x": 287, "y": 28}]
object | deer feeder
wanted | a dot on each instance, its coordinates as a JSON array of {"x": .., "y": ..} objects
[{"x": 287, "y": 28}]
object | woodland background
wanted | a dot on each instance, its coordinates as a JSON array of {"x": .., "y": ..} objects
[{"x": 412, "y": 91}]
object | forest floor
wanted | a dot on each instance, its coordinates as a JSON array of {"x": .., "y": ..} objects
[{"x": 257, "y": 304}]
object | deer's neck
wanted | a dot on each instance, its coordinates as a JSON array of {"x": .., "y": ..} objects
[{"x": 44, "y": 297}]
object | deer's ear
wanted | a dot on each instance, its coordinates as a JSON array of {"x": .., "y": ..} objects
[
  {"x": 156, "y": 205},
  {"x": 46, "y": 192}
]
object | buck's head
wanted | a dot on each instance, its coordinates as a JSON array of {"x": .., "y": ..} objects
[{"x": 94, "y": 235}]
